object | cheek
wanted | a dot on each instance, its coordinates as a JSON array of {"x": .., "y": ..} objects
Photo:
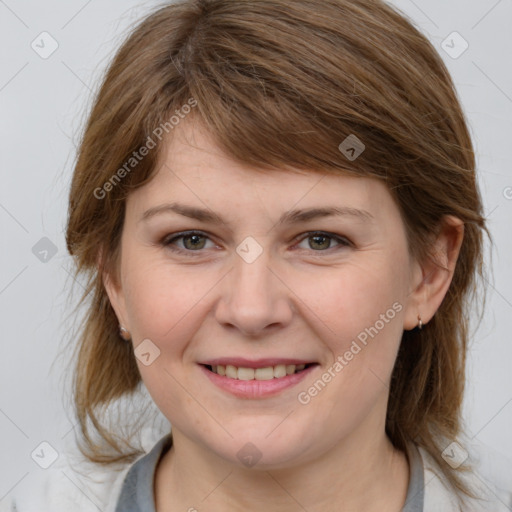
[
  {"x": 358, "y": 316},
  {"x": 162, "y": 298},
  {"x": 343, "y": 302},
  {"x": 358, "y": 313}
]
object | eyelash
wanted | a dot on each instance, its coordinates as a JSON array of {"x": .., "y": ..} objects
[{"x": 168, "y": 241}]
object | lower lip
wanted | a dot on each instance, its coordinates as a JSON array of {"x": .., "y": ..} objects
[{"x": 256, "y": 388}]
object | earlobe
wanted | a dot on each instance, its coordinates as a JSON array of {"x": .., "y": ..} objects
[
  {"x": 436, "y": 274},
  {"x": 417, "y": 298}
]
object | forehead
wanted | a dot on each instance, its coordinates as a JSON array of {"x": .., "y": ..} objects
[{"x": 194, "y": 170}]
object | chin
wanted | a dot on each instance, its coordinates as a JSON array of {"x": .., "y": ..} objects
[{"x": 253, "y": 448}]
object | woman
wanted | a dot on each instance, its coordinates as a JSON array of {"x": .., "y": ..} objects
[{"x": 277, "y": 209}]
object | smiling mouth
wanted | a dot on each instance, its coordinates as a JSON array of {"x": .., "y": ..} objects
[{"x": 267, "y": 373}]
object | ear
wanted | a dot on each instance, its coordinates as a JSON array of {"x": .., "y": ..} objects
[
  {"x": 432, "y": 278},
  {"x": 112, "y": 285}
]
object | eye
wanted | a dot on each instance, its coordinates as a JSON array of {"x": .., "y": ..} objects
[
  {"x": 189, "y": 242},
  {"x": 193, "y": 241},
  {"x": 320, "y": 241}
]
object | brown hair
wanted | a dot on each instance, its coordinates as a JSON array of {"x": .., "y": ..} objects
[{"x": 281, "y": 85}]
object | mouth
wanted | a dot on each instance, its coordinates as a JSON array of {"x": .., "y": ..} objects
[
  {"x": 263, "y": 373},
  {"x": 260, "y": 379}
]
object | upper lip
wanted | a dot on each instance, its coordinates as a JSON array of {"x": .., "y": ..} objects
[{"x": 241, "y": 362}]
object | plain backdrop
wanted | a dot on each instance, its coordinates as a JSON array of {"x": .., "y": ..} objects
[{"x": 43, "y": 102}]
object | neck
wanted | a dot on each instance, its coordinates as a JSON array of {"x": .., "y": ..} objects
[{"x": 354, "y": 475}]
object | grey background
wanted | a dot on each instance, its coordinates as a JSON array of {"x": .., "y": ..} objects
[{"x": 43, "y": 103}]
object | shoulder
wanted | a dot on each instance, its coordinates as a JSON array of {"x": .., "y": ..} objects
[
  {"x": 72, "y": 482},
  {"x": 440, "y": 495},
  {"x": 67, "y": 485}
]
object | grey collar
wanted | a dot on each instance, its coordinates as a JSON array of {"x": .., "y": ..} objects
[
  {"x": 414, "y": 501},
  {"x": 137, "y": 492}
]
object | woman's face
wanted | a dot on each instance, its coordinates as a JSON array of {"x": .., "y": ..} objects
[{"x": 278, "y": 284}]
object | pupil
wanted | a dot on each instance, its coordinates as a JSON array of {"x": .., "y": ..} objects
[
  {"x": 194, "y": 243},
  {"x": 316, "y": 237}
]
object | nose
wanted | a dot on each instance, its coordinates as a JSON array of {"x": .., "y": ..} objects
[{"x": 255, "y": 298}]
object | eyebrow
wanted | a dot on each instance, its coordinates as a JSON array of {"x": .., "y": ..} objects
[{"x": 290, "y": 217}]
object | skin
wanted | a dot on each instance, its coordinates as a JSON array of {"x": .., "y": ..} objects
[{"x": 297, "y": 299}]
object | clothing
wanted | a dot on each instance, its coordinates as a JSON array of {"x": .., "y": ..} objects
[
  {"x": 85, "y": 487},
  {"x": 137, "y": 490}
]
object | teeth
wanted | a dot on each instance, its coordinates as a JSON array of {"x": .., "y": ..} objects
[
  {"x": 279, "y": 371},
  {"x": 245, "y": 373},
  {"x": 231, "y": 372},
  {"x": 263, "y": 373},
  {"x": 267, "y": 373}
]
